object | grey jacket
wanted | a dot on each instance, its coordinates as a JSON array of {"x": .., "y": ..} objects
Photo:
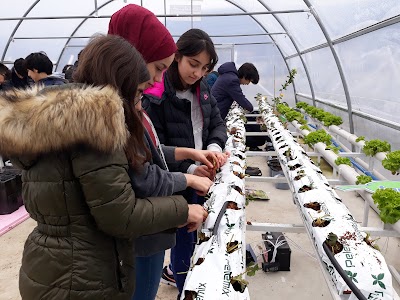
[{"x": 154, "y": 180}]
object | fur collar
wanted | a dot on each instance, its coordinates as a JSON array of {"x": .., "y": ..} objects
[{"x": 38, "y": 120}]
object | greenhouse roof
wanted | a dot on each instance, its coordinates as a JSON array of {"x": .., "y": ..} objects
[{"x": 345, "y": 51}]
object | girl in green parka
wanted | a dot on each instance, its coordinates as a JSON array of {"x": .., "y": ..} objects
[{"x": 74, "y": 144}]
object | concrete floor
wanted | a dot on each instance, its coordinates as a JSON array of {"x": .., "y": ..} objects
[{"x": 304, "y": 281}]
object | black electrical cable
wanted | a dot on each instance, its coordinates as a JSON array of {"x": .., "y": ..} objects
[
  {"x": 342, "y": 273},
  {"x": 218, "y": 221}
]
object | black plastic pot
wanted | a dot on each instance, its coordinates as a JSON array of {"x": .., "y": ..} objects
[{"x": 10, "y": 191}]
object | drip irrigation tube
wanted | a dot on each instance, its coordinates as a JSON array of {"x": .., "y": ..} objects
[
  {"x": 219, "y": 217},
  {"x": 342, "y": 273}
]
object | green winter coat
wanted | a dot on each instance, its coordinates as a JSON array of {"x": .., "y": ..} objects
[{"x": 69, "y": 141}]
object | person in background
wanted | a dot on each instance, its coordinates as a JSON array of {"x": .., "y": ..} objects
[
  {"x": 19, "y": 74},
  {"x": 186, "y": 115},
  {"x": 211, "y": 78},
  {"x": 150, "y": 37},
  {"x": 5, "y": 75},
  {"x": 40, "y": 69},
  {"x": 75, "y": 143},
  {"x": 226, "y": 88},
  {"x": 68, "y": 72}
]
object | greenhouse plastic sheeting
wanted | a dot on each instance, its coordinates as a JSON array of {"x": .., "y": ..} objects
[{"x": 364, "y": 34}]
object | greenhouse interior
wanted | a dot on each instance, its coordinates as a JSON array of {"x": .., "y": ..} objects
[{"x": 303, "y": 198}]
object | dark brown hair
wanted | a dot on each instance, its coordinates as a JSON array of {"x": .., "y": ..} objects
[
  {"x": 111, "y": 60},
  {"x": 249, "y": 72},
  {"x": 191, "y": 43}
]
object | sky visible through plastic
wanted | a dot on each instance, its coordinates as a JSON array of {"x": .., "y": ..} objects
[{"x": 370, "y": 61}]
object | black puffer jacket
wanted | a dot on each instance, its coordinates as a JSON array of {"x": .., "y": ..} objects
[{"x": 171, "y": 117}]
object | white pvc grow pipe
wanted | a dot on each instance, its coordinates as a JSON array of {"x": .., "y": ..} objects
[
  {"x": 351, "y": 138},
  {"x": 346, "y": 171}
]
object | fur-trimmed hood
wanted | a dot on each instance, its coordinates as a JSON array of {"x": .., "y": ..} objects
[{"x": 38, "y": 120}]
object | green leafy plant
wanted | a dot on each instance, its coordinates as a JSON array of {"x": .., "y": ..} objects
[
  {"x": 305, "y": 127},
  {"x": 343, "y": 161},
  {"x": 333, "y": 148},
  {"x": 317, "y": 136},
  {"x": 315, "y": 111},
  {"x": 302, "y": 105},
  {"x": 360, "y": 138},
  {"x": 239, "y": 283},
  {"x": 330, "y": 119},
  {"x": 309, "y": 109},
  {"x": 371, "y": 242},
  {"x": 302, "y": 120},
  {"x": 372, "y": 147},
  {"x": 320, "y": 114},
  {"x": 392, "y": 162},
  {"x": 333, "y": 242},
  {"x": 388, "y": 201},
  {"x": 293, "y": 115},
  {"x": 289, "y": 81},
  {"x": 363, "y": 179},
  {"x": 282, "y": 108}
]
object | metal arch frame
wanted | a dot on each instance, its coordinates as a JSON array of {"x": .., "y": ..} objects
[
  {"x": 353, "y": 35},
  {"x": 338, "y": 63},
  {"x": 277, "y": 46},
  {"x": 297, "y": 49},
  {"x": 106, "y": 3},
  {"x": 16, "y": 28},
  {"x": 77, "y": 28}
]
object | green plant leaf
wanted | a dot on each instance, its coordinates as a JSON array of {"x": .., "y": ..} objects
[
  {"x": 382, "y": 285},
  {"x": 343, "y": 161},
  {"x": 363, "y": 179},
  {"x": 252, "y": 269},
  {"x": 380, "y": 276},
  {"x": 388, "y": 202},
  {"x": 372, "y": 147},
  {"x": 317, "y": 136},
  {"x": 392, "y": 162}
]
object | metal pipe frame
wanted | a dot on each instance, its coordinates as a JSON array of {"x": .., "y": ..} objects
[
  {"x": 277, "y": 46},
  {"x": 338, "y": 64},
  {"x": 76, "y": 29},
  {"x": 165, "y": 12},
  {"x": 372, "y": 28},
  {"x": 161, "y": 16},
  {"x": 250, "y": 43},
  {"x": 216, "y": 44},
  {"x": 16, "y": 28},
  {"x": 173, "y": 35},
  {"x": 96, "y": 8},
  {"x": 297, "y": 49},
  {"x": 357, "y": 113}
]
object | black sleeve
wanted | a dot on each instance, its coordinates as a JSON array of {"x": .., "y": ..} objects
[{"x": 217, "y": 129}]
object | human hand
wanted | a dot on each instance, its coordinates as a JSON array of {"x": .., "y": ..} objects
[
  {"x": 222, "y": 157},
  {"x": 206, "y": 157},
  {"x": 196, "y": 216},
  {"x": 200, "y": 184},
  {"x": 202, "y": 171}
]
